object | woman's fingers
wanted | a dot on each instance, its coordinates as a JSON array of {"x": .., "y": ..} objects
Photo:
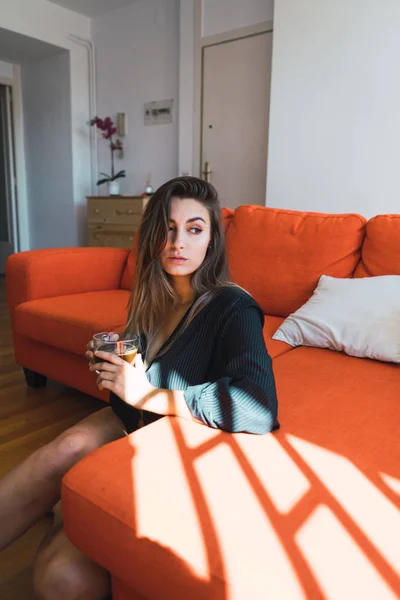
[
  {"x": 89, "y": 354},
  {"x": 105, "y": 385},
  {"x": 105, "y": 376},
  {"x": 114, "y": 359},
  {"x": 89, "y": 349},
  {"x": 103, "y": 366}
]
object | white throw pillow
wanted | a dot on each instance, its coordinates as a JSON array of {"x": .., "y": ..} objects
[{"x": 360, "y": 317}]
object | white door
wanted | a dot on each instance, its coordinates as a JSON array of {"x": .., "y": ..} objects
[
  {"x": 235, "y": 118},
  {"x": 8, "y": 217}
]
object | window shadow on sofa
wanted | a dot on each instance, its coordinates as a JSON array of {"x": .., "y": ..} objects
[
  {"x": 295, "y": 528},
  {"x": 199, "y": 513}
]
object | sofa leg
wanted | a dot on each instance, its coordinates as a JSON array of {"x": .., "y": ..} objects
[{"x": 33, "y": 379}]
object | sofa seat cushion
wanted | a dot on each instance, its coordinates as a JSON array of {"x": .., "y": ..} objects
[
  {"x": 350, "y": 406},
  {"x": 69, "y": 322},
  {"x": 188, "y": 504},
  {"x": 317, "y": 497},
  {"x": 275, "y": 347},
  {"x": 279, "y": 255},
  {"x": 244, "y": 516}
]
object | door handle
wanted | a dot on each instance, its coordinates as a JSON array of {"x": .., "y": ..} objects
[{"x": 207, "y": 171}]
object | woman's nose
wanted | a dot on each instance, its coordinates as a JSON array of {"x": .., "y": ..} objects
[{"x": 177, "y": 240}]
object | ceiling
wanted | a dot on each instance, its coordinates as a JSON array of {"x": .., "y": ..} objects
[
  {"x": 22, "y": 49},
  {"x": 91, "y": 8}
]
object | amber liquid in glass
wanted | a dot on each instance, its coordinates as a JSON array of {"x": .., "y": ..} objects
[{"x": 126, "y": 351}]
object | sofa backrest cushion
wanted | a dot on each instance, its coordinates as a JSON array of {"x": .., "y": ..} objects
[
  {"x": 227, "y": 217},
  {"x": 279, "y": 255},
  {"x": 129, "y": 271},
  {"x": 380, "y": 253}
]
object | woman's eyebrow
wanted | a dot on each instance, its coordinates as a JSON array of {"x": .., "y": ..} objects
[
  {"x": 195, "y": 219},
  {"x": 190, "y": 220}
]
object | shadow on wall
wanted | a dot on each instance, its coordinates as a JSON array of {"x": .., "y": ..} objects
[{"x": 46, "y": 96}]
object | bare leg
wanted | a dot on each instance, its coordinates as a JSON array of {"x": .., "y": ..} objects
[
  {"x": 33, "y": 487},
  {"x": 61, "y": 571},
  {"x": 57, "y": 513}
]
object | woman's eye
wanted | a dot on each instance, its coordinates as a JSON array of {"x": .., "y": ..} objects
[
  {"x": 195, "y": 230},
  {"x": 170, "y": 228}
]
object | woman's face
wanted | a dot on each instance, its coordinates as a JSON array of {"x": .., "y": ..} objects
[{"x": 188, "y": 237}]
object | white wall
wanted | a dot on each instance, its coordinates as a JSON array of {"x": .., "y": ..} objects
[
  {"x": 223, "y": 15},
  {"x": 46, "y": 97},
  {"x": 50, "y": 23},
  {"x": 6, "y": 70},
  {"x": 335, "y": 118},
  {"x": 137, "y": 55}
]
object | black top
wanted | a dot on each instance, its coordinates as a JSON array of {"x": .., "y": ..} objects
[{"x": 221, "y": 363}]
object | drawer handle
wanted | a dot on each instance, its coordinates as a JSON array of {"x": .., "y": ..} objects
[
  {"x": 96, "y": 211},
  {"x": 124, "y": 212}
]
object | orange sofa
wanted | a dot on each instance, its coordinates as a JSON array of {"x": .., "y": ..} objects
[{"x": 180, "y": 511}]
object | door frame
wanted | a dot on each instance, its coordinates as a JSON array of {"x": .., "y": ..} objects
[
  {"x": 199, "y": 44},
  {"x": 22, "y": 225}
]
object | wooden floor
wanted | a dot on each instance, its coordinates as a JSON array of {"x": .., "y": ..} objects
[{"x": 29, "y": 418}]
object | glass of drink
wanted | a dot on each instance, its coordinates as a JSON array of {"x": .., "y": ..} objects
[{"x": 125, "y": 345}]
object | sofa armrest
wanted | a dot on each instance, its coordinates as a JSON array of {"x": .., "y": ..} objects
[
  {"x": 153, "y": 509},
  {"x": 128, "y": 503},
  {"x": 60, "y": 271}
]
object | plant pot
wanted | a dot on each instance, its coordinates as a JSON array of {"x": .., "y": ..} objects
[{"x": 114, "y": 188}]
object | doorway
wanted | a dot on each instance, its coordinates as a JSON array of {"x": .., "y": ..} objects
[
  {"x": 8, "y": 213},
  {"x": 236, "y": 81}
]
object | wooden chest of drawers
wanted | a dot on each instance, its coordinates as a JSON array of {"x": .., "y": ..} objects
[{"x": 114, "y": 220}]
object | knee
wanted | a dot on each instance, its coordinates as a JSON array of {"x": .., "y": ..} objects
[
  {"x": 55, "y": 577},
  {"x": 71, "y": 447}
]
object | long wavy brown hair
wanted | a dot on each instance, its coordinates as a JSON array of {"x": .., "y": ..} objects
[{"x": 153, "y": 293}]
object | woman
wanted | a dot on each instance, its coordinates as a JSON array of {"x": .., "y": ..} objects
[{"x": 203, "y": 358}]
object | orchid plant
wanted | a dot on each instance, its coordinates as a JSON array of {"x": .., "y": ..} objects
[{"x": 108, "y": 130}]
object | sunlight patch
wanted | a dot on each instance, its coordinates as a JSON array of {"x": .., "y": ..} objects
[
  {"x": 283, "y": 481},
  {"x": 255, "y": 562},
  {"x": 392, "y": 482},
  {"x": 339, "y": 565},
  {"x": 166, "y": 511},
  {"x": 376, "y": 516}
]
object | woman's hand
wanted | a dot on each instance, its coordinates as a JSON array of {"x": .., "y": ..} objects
[
  {"x": 89, "y": 354},
  {"x": 128, "y": 382}
]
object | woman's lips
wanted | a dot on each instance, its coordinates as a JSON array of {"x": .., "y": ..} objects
[{"x": 177, "y": 260}]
